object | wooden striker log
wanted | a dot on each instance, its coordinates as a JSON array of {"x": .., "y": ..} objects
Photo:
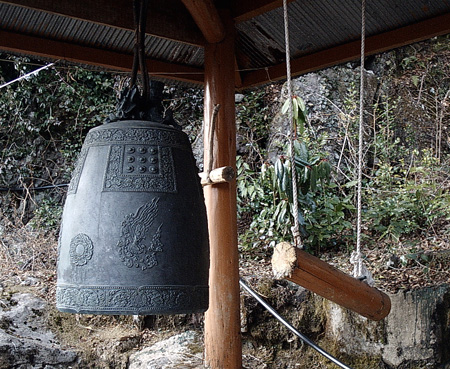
[{"x": 317, "y": 276}]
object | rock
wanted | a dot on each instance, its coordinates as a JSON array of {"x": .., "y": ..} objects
[
  {"x": 238, "y": 98},
  {"x": 25, "y": 341},
  {"x": 415, "y": 333},
  {"x": 326, "y": 94},
  {"x": 30, "y": 281},
  {"x": 183, "y": 351}
]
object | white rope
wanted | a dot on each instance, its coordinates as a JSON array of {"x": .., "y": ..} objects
[
  {"x": 36, "y": 71},
  {"x": 359, "y": 270},
  {"x": 293, "y": 131}
]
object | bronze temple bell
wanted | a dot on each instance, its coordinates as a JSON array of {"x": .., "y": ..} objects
[{"x": 134, "y": 236}]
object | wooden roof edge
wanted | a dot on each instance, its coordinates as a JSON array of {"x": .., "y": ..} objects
[
  {"x": 207, "y": 19},
  {"x": 178, "y": 27},
  {"x": 376, "y": 44},
  {"x": 244, "y": 10},
  {"x": 60, "y": 50}
]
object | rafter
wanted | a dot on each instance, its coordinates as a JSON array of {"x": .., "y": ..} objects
[
  {"x": 37, "y": 46},
  {"x": 207, "y": 19},
  {"x": 247, "y": 9},
  {"x": 176, "y": 25},
  {"x": 351, "y": 51}
]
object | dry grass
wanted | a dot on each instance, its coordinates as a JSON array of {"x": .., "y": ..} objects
[
  {"x": 405, "y": 265},
  {"x": 24, "y": 249}
]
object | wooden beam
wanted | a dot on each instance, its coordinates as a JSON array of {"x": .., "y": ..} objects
[
  {"x": 174, "y": 24},
  {"x": 207, "y": 19},
  {"x": 317, "y": 276},
  {"x": 351, "y": 51},
  {"x": 222, "y": 324},
  {"x": 31, "y": 45},
  {"x": 237, "y": 75},
  {"x": 244, "y": 10}
]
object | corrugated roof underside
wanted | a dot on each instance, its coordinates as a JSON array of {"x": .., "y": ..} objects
[
  {"x": 56, "y": 27},
  {"x": 316, "y": 25}
]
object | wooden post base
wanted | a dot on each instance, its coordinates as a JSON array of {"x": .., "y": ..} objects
[{"x": 317, "y": 276}]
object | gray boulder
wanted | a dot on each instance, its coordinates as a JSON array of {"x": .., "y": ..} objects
[
  {"x": 25, "y": 341},
  {"x": 415, "y": 334},
  {"x": 183, "y": 351}
]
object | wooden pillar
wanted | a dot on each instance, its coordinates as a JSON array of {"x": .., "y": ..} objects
[{"x": 223, "y": 348}]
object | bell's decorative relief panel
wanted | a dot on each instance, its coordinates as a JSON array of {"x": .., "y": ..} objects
[
  {"x": 130, "y": 299},
  {"x": 73, "y": 186},
  {"x": 147, "y": 136},
  {"x": 148, "y": 168},
  {"x": 134, "y": 248},
  {"x": 81, "y": 249},
  {"x": 136, "y": 168}
]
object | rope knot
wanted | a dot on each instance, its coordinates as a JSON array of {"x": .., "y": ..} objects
[{"x": 360, "y": 271}]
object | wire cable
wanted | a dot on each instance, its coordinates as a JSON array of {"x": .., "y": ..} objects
[
  {"x": 40, "y": 188},
  {"x": 305, "y": 339},
  {"x": 36, "y": 71}
]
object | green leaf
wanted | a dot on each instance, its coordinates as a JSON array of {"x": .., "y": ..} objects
[
  {"x": 287, "y": 183},
  {"x": 306, "y": 181},
  {"x": 295, "y": 108},
  {"x": 302, "y": 152},
  {"x": 327, "y": 168},
  {"x": 282, "y": 214},
  {"x": 296, "y": 146},
  {"x": 320, "y": 171},
  {"x": 301, "y": 124},
  {"x": 277, "y": 211},
  {"x": 315, "y": 160},
  {"x": 350, "y": 184},
  {"x": 300, "y": 164},
  {"x": 301, "y": 218},
  {"x": 285, "y": 107},
  {"x": 251, "y": 191},
  {"x": 301, "y": 103},
  {"x": 279, "y": 169}
]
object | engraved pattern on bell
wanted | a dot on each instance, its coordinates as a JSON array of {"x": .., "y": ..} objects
[
  {"x": 164, "y": 137},
  {"x": 81, "y": 249},
  {"x": 73, "y": 185},
  {"x": 131, "y": 300},
  {"x": 133, "y": 249},
  {"x": 159, "y": 176}
]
